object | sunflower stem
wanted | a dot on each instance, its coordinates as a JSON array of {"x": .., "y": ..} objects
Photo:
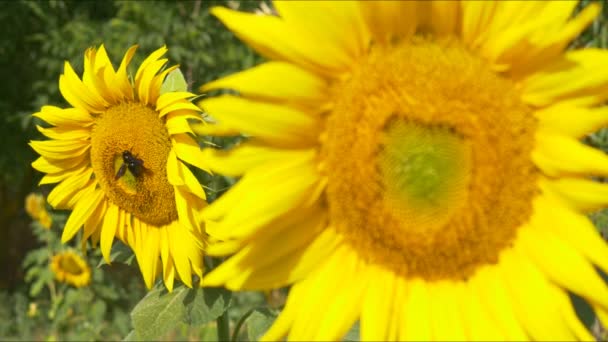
[
  {"x": 223, "y": 327},
  {"x": 223, "y": 321}
]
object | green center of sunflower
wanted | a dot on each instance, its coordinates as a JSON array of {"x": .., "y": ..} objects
[
  {"x": 130, "y": 145},
  {"x": 427, "y": 158},
  {"x": 422, "y": 166}
]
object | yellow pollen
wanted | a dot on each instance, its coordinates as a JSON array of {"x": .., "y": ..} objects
[
  {"x": 140, "y": 188},
  {"x": 427, "y": 155}
]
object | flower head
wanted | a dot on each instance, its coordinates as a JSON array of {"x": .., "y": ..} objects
[
  {"x": 119, "y": 155},
  {"x": 70, "y": 268},
  {"x": 35, "y": 206},
  {"x": 414, "y": 166}
]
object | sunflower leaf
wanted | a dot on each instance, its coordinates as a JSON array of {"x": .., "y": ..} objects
[
  {"x": 120, "y": 253},
  {"x": 258, "y": 322},
  {"x": 205, "y": 305},
  {"x": 353, "y": 333},
  {"x": 175, "y": 81},
  {"x": 158, "y": 312}
]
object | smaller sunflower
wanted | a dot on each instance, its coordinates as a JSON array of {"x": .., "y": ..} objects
[
  {"x": 70, "y": 268},
  {"x": 36, "y": 208}
]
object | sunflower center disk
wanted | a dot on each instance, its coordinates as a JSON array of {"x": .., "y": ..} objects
[
  {"x": 129, "y": 150},
  {"x": 427, "y": 155},
  {"x": 71, "y": 266}
]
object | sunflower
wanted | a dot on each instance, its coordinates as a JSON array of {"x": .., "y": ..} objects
[
  {"x": 415, "y": 166},
  {"x": 35, "y": 206},
  {"x": 70, "y": 268},
  {"x": 119, "y": 155}
]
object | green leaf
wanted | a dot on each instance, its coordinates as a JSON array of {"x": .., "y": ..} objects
[
  {"x": 120, "y": 253},
  {"x": 175, "y": 81},
  {"x": 131, "y": 336},
  {"x": 205, "y": 305},
  {"x": 353, "y": 333},
  {"x": 159, "y": 312},
  {"x": 258, "y": 322}
]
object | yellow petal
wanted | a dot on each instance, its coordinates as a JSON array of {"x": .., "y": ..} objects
[
  {"x": 575, "y": 228},
  {"x": 389, "y": 20},
  {"x": 380, "y": 307},
  {"x": 476, "y": 21},
  {"x": 60, "y": 149},
  {"x": 56, "y": 116},
  {"x": 180, "y": 257},
  {"x": 549, "y": 41},
  {"x": 177, "y": 125},
  {"x": 338, "y": 24},
  {"x": 108, "y": 230},
  {"x": 167, "y": 259},
  {"x": 245, "y": 157},
  {"x": 519, "y": 30},
  {"x": 144, "y": 82},
  {"x": 77, "y": 93},
  {"x": 263, "y": 196},
  {"x": 480, "y": 326},
  {"x": 188, "y": 151},
  {"x": 563, "y": 264},
  {"x": 124, "y": 88},
  {"x": 314, "y": 321},
  {"x": 149, "y": 261},
  {"x": 157, "y": 82},
  {"x": 342, "y": 311},
  {"x": 91, "y": 226},
  {"x": 579, "y": 78},
  {"x": 416, "y": 315},
  {"x": 535, "y": 301},
  {"x": 64, "y": 174},
  {"x": 281, "y": 326},
  {"x": 245, "y": 269},
  {"x": 46, "y": 165},
  {"x": 267, "y": 81},
  {"x": 497, "y": 303},
  {"x": 573, "y": 121},
  {"x": 264, "y": 120},
  {"x": 275, "y": 38},
  {"x": 169, "y": 98},
  {"x": 62, "y": 196},
  {"x": 179, "y": 106},
  {"x": 559, "y": 155},
  {"x": 65, "y": 133},
  {"x": 90, "y": 200},
  {"x": 152, "y": 58},
  {"x": 441, "y": 17},
  {"x": 444, "y": 300},
  {"x": 203, "y": 128},
  {"x": 579, "y": 194}
]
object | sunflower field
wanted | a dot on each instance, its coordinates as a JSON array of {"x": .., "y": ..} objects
[{"x": 226, "y": 170}]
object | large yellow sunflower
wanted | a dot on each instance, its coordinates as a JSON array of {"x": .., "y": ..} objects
[
  {"x": 119, "y": 157},
  {"x": 70, "y": 268},
  {"x": 415, "y": 166}
]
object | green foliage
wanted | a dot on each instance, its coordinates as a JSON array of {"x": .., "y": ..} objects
[
  {"x": 161, "y": 312},
  {"x": 259, "y": 321}
]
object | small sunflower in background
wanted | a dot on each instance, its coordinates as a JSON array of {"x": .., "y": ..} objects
[
  {"x": 70, "y": 268},
  {"x": 120, "y": 156},
  {"x": 35, "y": 206},
  {"x": 415, "y": 166}
]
